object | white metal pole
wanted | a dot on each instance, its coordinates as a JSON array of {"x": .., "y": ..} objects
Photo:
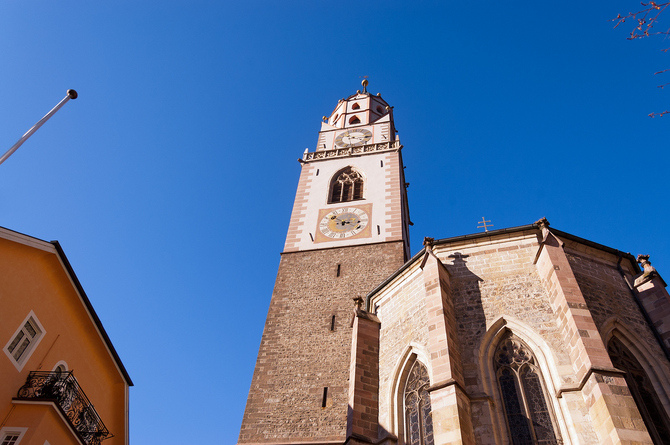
[{"x": 71, "y": 94}]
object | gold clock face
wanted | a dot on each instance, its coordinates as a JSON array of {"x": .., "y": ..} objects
[
  {"x": 344, "y": 222},
  {"x": 350, "y": 138}
]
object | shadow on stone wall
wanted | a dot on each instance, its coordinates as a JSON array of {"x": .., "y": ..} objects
[{"x": 470, "y": 317}]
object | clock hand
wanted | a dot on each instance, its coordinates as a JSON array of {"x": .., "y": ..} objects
[{"x": 349, "y": 221}]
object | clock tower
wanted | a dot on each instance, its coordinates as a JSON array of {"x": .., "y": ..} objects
[{"x": 349, "y": 230}]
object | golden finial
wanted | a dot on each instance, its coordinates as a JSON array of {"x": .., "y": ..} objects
[{"x": 365, "y": 85}]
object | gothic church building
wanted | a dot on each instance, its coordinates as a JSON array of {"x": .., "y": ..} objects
[{"x": 525, "y": 335}]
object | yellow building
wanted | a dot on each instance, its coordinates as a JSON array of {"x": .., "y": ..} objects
[{"x": 62, "y": 380}]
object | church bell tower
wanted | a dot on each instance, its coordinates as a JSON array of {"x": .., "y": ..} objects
[{"x": 349, "y": 230}]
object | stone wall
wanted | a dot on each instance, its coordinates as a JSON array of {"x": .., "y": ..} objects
[
  {"x": 299, "y": 354},
  {"x": 402, "y": 312},
  {"x": 494, "y": 279},
  {"x": 608, "y": 296}
]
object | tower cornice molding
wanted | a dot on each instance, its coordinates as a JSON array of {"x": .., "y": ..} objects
[{"x": 358, "y": 150}]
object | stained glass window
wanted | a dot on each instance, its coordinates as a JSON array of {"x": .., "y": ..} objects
[
  {"x": 529, "y": 420},
  {"x": 643, "y": 392},
  {"x": 418, "y": 420}
]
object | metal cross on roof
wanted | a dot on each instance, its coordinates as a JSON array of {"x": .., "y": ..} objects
[{"x": 483, "y": 222}]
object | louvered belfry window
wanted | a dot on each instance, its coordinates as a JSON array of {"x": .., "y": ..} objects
[
  {"x": 348, "y": 186},
  {"x": 418, "y": 420},
  {"x": 643, "y": 392},
  {"x": 528, "y": 417}
]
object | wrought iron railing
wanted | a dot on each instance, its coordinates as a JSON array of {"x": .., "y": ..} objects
[
  {"x": 355, "y": 150},
  {"x": 63, "y": 388}
]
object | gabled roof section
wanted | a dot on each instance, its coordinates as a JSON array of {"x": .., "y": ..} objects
[
  {"x": 55, "y": 248},
  {"x": 492, "y": 234}
]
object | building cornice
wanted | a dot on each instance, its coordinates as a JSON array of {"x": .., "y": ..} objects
[{"x": 358, "y": 150}]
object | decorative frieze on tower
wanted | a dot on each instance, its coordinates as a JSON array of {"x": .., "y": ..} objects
[{"x": 348, "y": 231}]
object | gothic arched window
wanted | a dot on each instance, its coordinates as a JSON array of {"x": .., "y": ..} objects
[
  {"x": 643, "y": 392},
  {"x": 354, "y": 120},
  {"x": 418, "y": 420},
  {"x": 347, "y": 186},
  {"x": 520, "y": 380}
]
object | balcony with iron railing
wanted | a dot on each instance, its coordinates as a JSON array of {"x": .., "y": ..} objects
[{"x": 63, "y": 389}]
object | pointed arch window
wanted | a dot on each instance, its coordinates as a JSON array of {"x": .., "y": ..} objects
[
  {"x": 347, "y": 186},
  {"x": 354, "y": 120},
  {"x": 529, "y": 419},
  {"x": 643, "y": 392},
  {"x": 416, "y": 400},
  {"x": 355, "y": 107}
]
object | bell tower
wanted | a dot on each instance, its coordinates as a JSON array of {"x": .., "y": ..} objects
[
  {"x": 351, "y": 188},
  {"x": 349, "y": 230}
]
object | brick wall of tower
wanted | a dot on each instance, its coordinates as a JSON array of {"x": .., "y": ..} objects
[{"x": 299, "y": 355}]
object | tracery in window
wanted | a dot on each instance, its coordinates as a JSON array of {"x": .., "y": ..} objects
[
  {"x": 418, "y": 420},
  {"x": 347, "y": 186},
  {"x": 528, "y": 417},
  {"x": 643, "y": 392}
]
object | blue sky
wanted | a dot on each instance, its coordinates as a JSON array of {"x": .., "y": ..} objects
[{"x": 169, "y": 182}]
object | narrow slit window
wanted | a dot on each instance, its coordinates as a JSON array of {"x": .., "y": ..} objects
[
  {"x": 332, "y": 323},
  {"x": 338, "y": 269},
  {"x": 317, "y": 172},
  {"x": 325, "y": 397}
]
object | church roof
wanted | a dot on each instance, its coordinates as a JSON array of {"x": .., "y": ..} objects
[{"x": 493, "y": 233}]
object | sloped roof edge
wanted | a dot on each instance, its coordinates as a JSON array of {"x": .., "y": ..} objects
[
  {"x": 92, "y": 312},
  {"x": 492, "y": 233},
  {"x": 37, "y": 243}
]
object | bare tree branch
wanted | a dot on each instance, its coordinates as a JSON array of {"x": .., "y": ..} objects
[{"x": 645, "y": 20}]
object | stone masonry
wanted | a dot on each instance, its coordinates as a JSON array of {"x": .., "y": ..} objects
[
  {"x": 565, "y": 297},
  {"x": 300, "y": 355}
]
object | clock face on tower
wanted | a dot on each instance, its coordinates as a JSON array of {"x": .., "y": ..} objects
[
  {"x": 344, "y": 223},
  {"x": 350, "y": 138}
]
